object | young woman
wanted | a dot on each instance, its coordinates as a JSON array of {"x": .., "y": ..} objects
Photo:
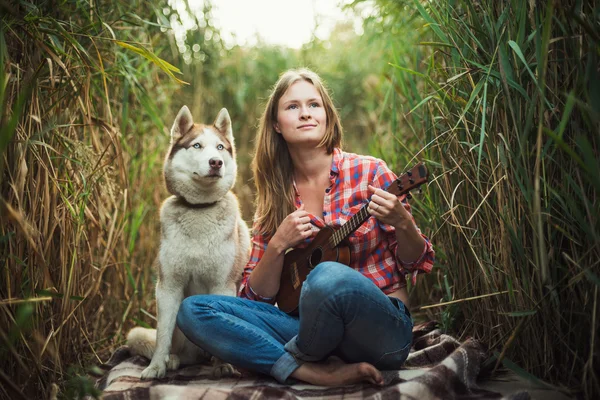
[{"x": 357, "y": 314}]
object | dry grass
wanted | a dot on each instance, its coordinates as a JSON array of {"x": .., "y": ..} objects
[
  {"x": 509, "y": 109},
  {"x": 70, "y": 190}
]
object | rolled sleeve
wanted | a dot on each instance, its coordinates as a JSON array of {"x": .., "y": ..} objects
[
  {"x": 259, "y": 246},
  {"x": 423, "y": 264}
]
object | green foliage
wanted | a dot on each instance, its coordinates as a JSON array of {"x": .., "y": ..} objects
[
  {"x": 79, "y": 385},
  {"x": 506, "y": 100},
  {"x": 69, "y": 188}
]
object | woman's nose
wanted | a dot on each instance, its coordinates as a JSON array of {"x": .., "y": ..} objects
[{"x": 304, "y": 112}]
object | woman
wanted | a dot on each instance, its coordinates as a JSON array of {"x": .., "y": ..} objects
[{"x": 359, "y": 314}]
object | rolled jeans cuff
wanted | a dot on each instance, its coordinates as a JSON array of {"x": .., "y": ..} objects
[
  {"x": 293, "y": 349},
  {"x": 290, "y": 361},
  {"x": 284, "y": 367}
]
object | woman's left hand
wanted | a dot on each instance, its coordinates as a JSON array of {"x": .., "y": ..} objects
[{"x": 388, "y": 208}]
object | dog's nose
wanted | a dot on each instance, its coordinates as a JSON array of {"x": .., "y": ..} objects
[{"x": 215, "y": 163}]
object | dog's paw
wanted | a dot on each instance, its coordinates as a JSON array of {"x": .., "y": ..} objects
[
  {"x": 173, "y": 362},
  {"x": 155, "y": 370},
  {"x": 221, "y": 369}
]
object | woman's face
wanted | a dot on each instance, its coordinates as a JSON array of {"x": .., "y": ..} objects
[{"x": 301, "y": 117}]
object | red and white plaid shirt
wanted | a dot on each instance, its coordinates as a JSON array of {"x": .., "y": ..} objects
[{"x": 373, "y": 245}]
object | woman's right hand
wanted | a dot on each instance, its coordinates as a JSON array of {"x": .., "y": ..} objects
[{"x": 294, "y": 229}]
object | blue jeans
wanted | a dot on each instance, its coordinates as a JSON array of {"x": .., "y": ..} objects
[{"x": 342, "y": 313}]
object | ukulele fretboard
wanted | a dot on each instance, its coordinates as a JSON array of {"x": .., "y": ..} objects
[{"x": 350, "y": 226}]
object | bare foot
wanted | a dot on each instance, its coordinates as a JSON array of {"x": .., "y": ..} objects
[{"x": 335, "y": 372}]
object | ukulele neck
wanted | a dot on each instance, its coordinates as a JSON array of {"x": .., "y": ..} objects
[
  {"x": 353, "y": 223},
  {"x": 412, "y": 179}
]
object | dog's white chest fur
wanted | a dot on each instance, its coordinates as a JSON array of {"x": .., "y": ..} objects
[{"x": 197, "y": 242}]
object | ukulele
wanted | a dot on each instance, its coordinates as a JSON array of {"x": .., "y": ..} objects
[{"x": 330, "y": 244}]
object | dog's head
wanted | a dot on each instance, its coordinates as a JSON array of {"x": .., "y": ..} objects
[{"x": 200, "y": 165}]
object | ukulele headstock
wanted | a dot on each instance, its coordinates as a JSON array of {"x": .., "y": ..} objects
[{"x": 411, "y": 179}]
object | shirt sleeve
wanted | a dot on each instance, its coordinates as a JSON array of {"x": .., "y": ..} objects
[
  {"x": 424, "y": 264},
  {"x": 259, "y": 246}
]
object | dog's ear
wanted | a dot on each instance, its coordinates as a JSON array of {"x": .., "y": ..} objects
[
  {"x": 223, "y": 124},
  {"x": 183, "y": 123}
]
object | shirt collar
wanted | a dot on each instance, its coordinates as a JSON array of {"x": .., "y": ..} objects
[{"x": 336, "y": 162}]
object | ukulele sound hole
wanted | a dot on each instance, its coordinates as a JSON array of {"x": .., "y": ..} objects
[{"x": 315, "y": 257}]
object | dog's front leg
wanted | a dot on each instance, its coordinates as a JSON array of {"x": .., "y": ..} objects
[{"x": 168, "y": 299}]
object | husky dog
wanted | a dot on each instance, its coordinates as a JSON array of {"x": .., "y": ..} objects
[{"x": 204, "y": 241}]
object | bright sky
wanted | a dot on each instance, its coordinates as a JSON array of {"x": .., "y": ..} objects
[{"x": 280, "y": 22}]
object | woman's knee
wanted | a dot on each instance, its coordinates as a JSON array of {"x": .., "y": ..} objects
[
  {"x": 331, "y": 278},
  {"x": 187, "y": 312},
  {"x": 193, "y": 309}
]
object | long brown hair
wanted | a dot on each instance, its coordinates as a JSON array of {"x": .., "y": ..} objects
[{"x": 272, "y": 165}]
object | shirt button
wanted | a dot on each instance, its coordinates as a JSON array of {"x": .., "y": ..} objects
[{"x": 327, "y": 190}]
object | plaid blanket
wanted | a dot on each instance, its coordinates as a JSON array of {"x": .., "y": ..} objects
[{"x": 438, "y": 367}]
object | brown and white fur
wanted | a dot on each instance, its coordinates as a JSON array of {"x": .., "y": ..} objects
[{"x": 204, "y": 241}]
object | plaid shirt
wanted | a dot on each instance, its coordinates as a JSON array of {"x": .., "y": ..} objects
[{"x": 373, "y": 245}]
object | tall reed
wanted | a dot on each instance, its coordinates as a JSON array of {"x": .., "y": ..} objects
[
  {"x": 505, "y": 98},
  {"x": 82, "y": 93}
]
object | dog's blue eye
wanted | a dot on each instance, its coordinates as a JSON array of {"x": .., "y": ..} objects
[
  {"x": 220, "y": 147},
  {"x": 196, "y": 145}
]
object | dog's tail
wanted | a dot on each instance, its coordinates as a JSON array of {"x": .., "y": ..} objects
[{"x": 142, "y": 341}]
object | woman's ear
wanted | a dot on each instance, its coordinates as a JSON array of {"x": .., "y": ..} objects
[{"x": 276, "y": 127}]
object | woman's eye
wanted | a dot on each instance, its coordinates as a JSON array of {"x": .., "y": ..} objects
[
  {"x": 220, "y": 147},
  {"x": 314, "y": 105},
  {"x": 292, "y": 107},
  {"x": 197, "y": 145}
]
